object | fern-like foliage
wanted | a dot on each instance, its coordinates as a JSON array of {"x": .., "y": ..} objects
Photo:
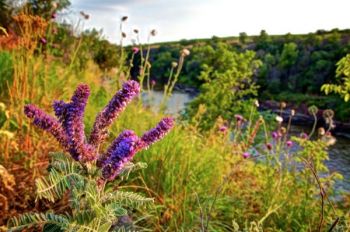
[
  {"x": 30, "y": 219},
  {"x": 131, "y": 167},
  {"x": 127, "y": 199},
  {"x": 94, "y": 207},
  {"x": 62, "y": 175}
]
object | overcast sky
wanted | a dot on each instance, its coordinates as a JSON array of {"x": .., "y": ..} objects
[{"x": 187, "y": 19}]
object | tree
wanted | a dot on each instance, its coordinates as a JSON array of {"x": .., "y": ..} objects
[
  {"x": 243, "y": 37},
  {"x": 228, "y": 77},
  {"x": 288, "y": 58},
  {"x": 45, "y": 8},
  {"x": 343, "y": 76},
  {"x": 289, "y": 55}
]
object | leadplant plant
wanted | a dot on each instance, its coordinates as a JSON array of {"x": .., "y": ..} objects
[{"x": 89, "y": 177}]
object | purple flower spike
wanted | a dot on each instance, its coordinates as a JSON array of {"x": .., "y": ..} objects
[
  {"x": 121, "y": 151},
  {"x": 46, "y": 122},
  {"x": 60, "y": 109},
  {"x": 112, "y": 110},
  {"x": 125, "y": 134},
  {"x": 72, "y": 116},
  {"x": 158, "y": 132}
]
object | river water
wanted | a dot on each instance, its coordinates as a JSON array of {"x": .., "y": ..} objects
[{"x": 339, "y": 154}]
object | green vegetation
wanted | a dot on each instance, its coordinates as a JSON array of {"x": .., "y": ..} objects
[
  {"x": 224, "y": 87},
  {"x": 343, "y": 73},
  {"x": 295, "y": 64},
  {"x": 224, "y": 167}
]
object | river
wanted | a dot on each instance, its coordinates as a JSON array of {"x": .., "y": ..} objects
[{"x": 339, "y": 154}]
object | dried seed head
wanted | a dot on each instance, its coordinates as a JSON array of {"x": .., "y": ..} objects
[
  {"x": 256, "y": 103},
  {"x": 283, "y": 130},
  {"x": 329, "y": 140},
  {"x": 124, "y": 18},
  {"x": 54, "y": 5},
  {"x": 321, "y": 131},
  {"x": 279, "y": 119},
  {"x": 136, "y": 31},
  {"x": 185, "y": 52},
  {"x": 313, "y": 110},
  {"x": 123, "y": 34},
  {"x": 283, "y": 105},
  {"x": 292, "y": 112},
  {"x": 153, "y": 32},
  {"x": 328, "y": 114}
]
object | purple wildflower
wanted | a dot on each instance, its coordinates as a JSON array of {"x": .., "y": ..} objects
[
  {"x": 153, "y": 82},
  {"x": 135, "y": 50},
  {"x": 69, "y": 128},
  {"x": 54, "y": 16},
  {"x": 246, "y": 155},
  {"x": 71, "y": 115},
  {"x": 223, "y": 128},
  {"x": 112, "y": 110},
  {"x": 158, "y": 132},
  {"x": 304, "y": 136},
  {"x": 274, "y": 135},
  {"x": 125, "y": 134},
  {"x": 43, "y": 41},
  {"x": 46, "y": 122},
  {"x": 238, "y": 117},
  {"x": 289, "y": 143},
  {"x": 269, "y": 146},
  {"x": 121, "y": 151}
]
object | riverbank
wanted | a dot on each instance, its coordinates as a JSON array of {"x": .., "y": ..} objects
[{"x": 303, "y": 118}]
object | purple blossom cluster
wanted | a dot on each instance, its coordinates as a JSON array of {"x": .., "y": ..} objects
[
  {"x": 111, "y": 111},
  {"x": 71, "y": 115},
  {"x": 158, "y": 132},
  {"x": 68, "y": 129},
  {"x": 123, "y": 148},
  {"x": 46, "y": 122}
]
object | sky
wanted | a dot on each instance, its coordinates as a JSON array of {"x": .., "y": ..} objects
[{"x": 189, "y": 19}]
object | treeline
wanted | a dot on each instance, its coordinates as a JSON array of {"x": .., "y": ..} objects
[
  {"x": 297, "y": 63},
  {"x": 294, "y": 67}
]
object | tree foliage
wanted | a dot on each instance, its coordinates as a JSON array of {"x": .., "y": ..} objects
[
  {"x": 228, "y": 80},
  {"x": 343, "y": 78}
]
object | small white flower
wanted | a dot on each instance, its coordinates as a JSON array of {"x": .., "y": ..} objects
[
  {"x": 279, "y": 119},
  {"x": 292, "y": 112}
]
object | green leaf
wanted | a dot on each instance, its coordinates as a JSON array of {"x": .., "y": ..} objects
[
  {"x": 31, "y": 219},
  {"x": 63, "y": 173}
]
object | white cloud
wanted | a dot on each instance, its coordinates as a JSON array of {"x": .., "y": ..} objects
[{"x": 177, "y": 19}]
